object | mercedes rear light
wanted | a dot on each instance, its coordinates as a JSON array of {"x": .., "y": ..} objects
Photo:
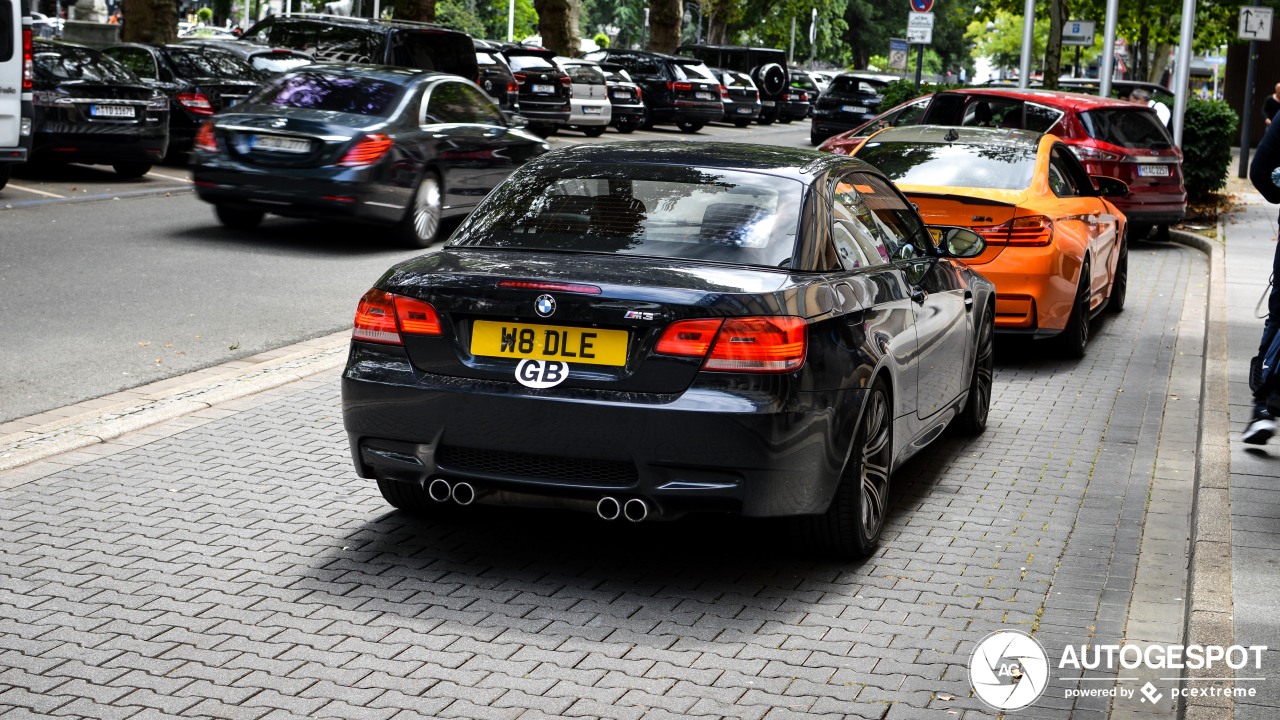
[
  {"x": 195, "y": 102},
  {"x": 1029, "y": 231},
  {"x": 382, "y": 317},
  {"x": 367, "y": 151},
  {"x": 28, "y": 60},
  {"x": 205, "y": 139},
  {"x": 761, "y": 344}
]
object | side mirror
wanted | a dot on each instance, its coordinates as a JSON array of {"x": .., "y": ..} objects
[
  {"x": 1109, "y": 186},
  {"x": 958, "y": 242},
  {"x": 514, "y": 120}
]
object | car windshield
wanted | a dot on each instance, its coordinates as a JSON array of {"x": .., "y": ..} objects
[
  {"x": 1136, "y": 128},
  {"x": 71, "y": 63},
  {"x": 335, "y": 93},
  {"x": 204, "y": 63},
  {"x": 694, "y": 71},
  {"x": 664, "y": 211},
  {"x": 853, "y": 86},
  {"x": 979, "y": 165}
]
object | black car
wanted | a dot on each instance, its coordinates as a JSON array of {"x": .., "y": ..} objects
[
  {"x": 678, "y": 91},
  {"x": 495, "y": 77},
  {"x": 266, "y": 60},
  {"x": 546, "y": 91},
  {"x": 626, "y": 96},
  {"x": 400, "y": 43},
  {"x": 199, "y": 82},
  {"x": 767, "y": 68},
  {"x": 389, "y": 146},
  {"x": 644, "y": 330},
  {"x": 91, "y": 109},
  {"x": 797, "y": 101},
  {"x": 848, "y": 102},
  {"x": 741, "y": 98}
]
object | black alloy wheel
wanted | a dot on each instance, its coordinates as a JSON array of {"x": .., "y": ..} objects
[
  {"x": 814, "y": 139},
  {"x": 647, "y": 122},
  {"x": 972, "y": 419},
  {"x": 1120, "y": 283},
  {"x": 238, "y": 218},
  {"x": 593, "y": 131},
  {"x": 131, "y": 170},
  {"x": 687, "y": 126},
  {"x": 1074, "y": 339},
  {"x": 626, "y": 127},
  {"x": 851, "y": 526},
  {"x": 421, "y": 222}
]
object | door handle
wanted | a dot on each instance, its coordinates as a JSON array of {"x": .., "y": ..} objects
[
  {"x": 918, "y": 295},
  {"x": 968, "y": 300}
]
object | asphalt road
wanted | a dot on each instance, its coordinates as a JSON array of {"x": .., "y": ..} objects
[{"x": 107, "y": 284}]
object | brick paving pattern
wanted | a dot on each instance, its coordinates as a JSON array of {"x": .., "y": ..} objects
[{"x": 240, "y": 569}]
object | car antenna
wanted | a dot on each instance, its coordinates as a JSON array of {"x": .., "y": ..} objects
[{"x": 951, "y": 135}]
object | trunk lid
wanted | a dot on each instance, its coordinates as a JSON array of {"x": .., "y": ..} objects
[
  {"x": 292, "y": 138},
  {"x": 953, "y": 207}
]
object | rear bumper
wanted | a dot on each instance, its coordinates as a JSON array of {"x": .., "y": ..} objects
[
  {"x": 1155, "y": 213},
  {"x": 689, "y": 112},
  {"x": 322, "y": 193},
  {"x": 103, "y": 148},
  {"x": 1035, "y": 289},
  {"x": 795, "y": 110},
  {"x": 703, "y": 450},
  {"x": 828, "y": 126}
]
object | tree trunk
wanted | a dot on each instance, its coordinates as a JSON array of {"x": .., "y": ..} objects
[
  {"x": 421, "y": 10},
  {"x": 150, "y": 21},
  {"x": 558, "y": 25},
  {"x": 1058, "y": 11},
  {"x": 1141, "y": 58},
  {"x": 664, "y": 25}
]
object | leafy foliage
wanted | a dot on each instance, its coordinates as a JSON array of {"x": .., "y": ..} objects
[
  {"x": 896, "y": 93},
  {"x": 1208, "y": 129}
]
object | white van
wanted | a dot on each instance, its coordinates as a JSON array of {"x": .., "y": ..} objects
[{"x": 15, "y": 84}]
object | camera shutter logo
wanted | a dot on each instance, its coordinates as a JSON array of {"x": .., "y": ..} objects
[{"x": 1009, "y": 670}]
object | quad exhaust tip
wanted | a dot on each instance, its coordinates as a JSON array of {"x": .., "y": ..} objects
[
  {"x": 635, "y": 510},
  {"x": 608, "y": 508},
  {"x": 439, "y": 490},
  {"x": 463, "y": 493}
]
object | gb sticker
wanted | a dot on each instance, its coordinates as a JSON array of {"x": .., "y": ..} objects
[{"x": 541, "y": 373}]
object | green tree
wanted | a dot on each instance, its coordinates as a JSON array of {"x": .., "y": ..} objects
[
  {"x": 455, "y": 14},
  {"x": 150, "y": 21}
]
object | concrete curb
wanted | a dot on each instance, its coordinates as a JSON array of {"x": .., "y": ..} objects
[
  {"x": 1209, "y": 611},
  {"x": 226, "y": 382}
]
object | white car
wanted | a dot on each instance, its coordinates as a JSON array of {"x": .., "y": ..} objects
[{"x": 592, "y": 111}]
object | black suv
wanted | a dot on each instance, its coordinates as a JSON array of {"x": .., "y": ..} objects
[
  {"x": 767, "y": 68},
  {"x": 849, "y": 101},
  {"x": 400, "y": 43},
  {"x": 495, "y": 76},
  {"x": 545, "y": 89},
  {"x": 678, "y": 91}
]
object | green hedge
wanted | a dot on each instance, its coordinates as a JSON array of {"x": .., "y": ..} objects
[
  {"x": 900, "y": 91},
  {"x": 1207, "y": 132}
]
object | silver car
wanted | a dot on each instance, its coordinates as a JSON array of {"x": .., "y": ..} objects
[{"x": 592, "y": 109}]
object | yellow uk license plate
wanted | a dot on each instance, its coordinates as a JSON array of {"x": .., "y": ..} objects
[{"x": 591, "y": 346}]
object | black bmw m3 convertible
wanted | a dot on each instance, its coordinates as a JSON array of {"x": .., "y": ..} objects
[{"x": 646, "y": 330}]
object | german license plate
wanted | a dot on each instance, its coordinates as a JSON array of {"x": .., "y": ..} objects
[
  {"x": 592, "y": 110},
  {"x": 1153, "y": 171},
  {"x": 544, "y": 88},
  {"x": 112, "y": 111},
  {"x": 621, "y": 95},
  {"x": 704, "y": 96},
  {"x": 590, "y": 346},
  {"x": 743, "y": 111},
  {"x": 852, "y": 109},
  {"x": 275, "y": 143}
]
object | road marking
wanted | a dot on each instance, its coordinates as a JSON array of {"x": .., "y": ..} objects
[
  {"x": 37, "y": 192},
  {"x": 170, "y": 177}
]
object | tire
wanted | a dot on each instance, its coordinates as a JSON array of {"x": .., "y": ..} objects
[
  {"x": 772, "y": 78},
  {"x": 594, "y": 131},
  {"x": 647, "y": 122},
  {"x": 784, "y": 119},
  {"x": 1074, "y": 340},
  {"x": 131, "y": 170},
  {"x": 689, "y": 127},
  {"x": 1120, "y": 283},
  {"x": 6, "y": 169},
  {"x": 766, "y": 119},
  {"x": 545, "y": 131},
  {"x": 1162, "y": 233},
  {"x": 741, "y": 123},
  {"x": 1139, "y": 232},
  {"x": 626, "y": 128},
  {"x": 814, "y": 139},
  {"x": 972, "y": 419},
  {"x": 421, "y": 221},
  {"x": 409, "y": 497},
  {"x": 851, "y": 526},
  {"x": 238, "y": 218}
]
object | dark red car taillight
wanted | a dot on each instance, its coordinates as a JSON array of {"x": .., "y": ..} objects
[
  {"x": 205, "y": 139},
  {"x": 1029, "y": 231},
  {"x": 28, "y": 60},
  {"x": 367, "y": 151},
  {"x": 383, "y": 317},
  {"x": 758, "y": 344},
  {"x": 195, "y": 102}
]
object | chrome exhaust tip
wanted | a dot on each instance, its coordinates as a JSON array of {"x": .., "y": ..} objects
[
  {"x": 439, "y": 490},
  {"x": 635, "y": 510},
  {"x": 608, "y": 508},
  {"x": 463, "y": 493}
]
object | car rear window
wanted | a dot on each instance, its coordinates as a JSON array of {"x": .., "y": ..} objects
[
  {"x": 1136, "y": 128},
  {"x": 530, "y": 62},
  {"x": 278, "y": 62},
  {"x": 72, "y": 63},
  {"x": 707, "y": 214},
  {"x": 737, "y": 80},
  {"x": 854, "y": 86},
  {"x": 1003, "y": 167},
  {"x": 335, "y": 93},
  {"x": 197, "y": 63},
  {"x": 695, "y": 71},
  {"x": 7, "y": 34},
  {"x": 449, "y": 52},
  {"x": 585, "y": 74}
]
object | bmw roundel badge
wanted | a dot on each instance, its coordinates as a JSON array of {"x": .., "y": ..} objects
[{"x": 545, "y": 305}]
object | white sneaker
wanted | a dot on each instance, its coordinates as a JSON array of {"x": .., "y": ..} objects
[{"x": 1259, "y": 431}]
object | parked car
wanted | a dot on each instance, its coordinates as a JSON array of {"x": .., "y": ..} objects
[
  {"x": 1119, "y": 88},
  {"x": 546, "y": 91},
  {"x": 383, "y": 145},
  {"x": 1055, "y": 241},
  {"x": 767, "y": 68},
  {"x": 678, "y": 91},
  {"x": 592, "y": 109},
  {"x": 15, "y": 68},
  {"x": 741, "y": 98},
  {"x": 199, "y": 81},
  {"x": 495, "y": 76},
  {"x": 197, "y": 30},
  {"x": 695, "y": 337},
  {"x": 626, "y": 96},
  {"x": 266, "y": 60},
  {"x": 400, "y": 43},
  {"x": 907, "y": 113},
  {"x": 43, "y": 26},
  {"x": 91, "y": 109},
  {"x": 848, "y": 102},
  {"x": 797, "y": 101}
]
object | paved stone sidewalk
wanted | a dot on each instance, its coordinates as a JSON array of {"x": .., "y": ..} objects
[{"x": 231, "y": 564}]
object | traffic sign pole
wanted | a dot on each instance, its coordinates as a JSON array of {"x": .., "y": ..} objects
[
  {"x": 1246, "y": 127},
  {"x": 919, "y": 64}
]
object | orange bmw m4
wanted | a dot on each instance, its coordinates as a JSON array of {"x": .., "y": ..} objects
[{"x": 1056, "y": 245}]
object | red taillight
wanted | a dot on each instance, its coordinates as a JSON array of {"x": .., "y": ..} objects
[
  {"x": 639, "y": 93},
  {"x": 749, "y": 344},
  {"x": 195, "y": 102},
  {"x": 513, "y": 86},
  {"x": 381, "y": 317},
  {"x": 520, "y": 78},
  {"x": 367, "y": 151},
  {"x": 28, "y": 60},
  {"x": 566, "y": 81},
  {"x": 548, "y": 286},
  {"x": 1029, "y": 231},
  {"x": 724, "y": 93},
  {"x": 205, "y": 139}
]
